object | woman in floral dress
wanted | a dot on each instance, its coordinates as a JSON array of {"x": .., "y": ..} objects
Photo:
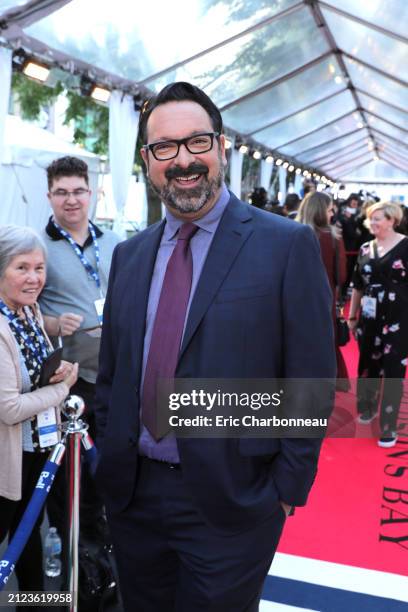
[{"x": 379, "y": 319}]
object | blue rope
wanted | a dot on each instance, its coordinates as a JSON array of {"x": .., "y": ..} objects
[
  {"x": 17, "y": 544},
  {"x": 90, "y": 452},
  {"x": 42, "y": 488}
]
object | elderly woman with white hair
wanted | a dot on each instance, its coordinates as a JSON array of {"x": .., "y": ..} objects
[
  {"x": 379, "y": 318},
  {"x": 28, "y": 413}
]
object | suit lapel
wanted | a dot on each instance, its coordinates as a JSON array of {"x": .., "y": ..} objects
[
  {"x": 139, "y": 288},
  {"x": 234, "y": 229}
]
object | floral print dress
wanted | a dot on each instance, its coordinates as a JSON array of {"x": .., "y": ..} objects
[
  {"x": 382, "y": 335},
  {"x": 33, "y": 365}
]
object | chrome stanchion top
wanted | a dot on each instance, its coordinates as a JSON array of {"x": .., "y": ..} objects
[{"x": 73, "y": 409}]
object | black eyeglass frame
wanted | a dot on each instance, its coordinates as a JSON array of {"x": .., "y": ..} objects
[{"x": 179, "y": 142}]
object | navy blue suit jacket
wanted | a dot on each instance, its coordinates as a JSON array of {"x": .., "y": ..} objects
[{"x": 262, "y": 309}]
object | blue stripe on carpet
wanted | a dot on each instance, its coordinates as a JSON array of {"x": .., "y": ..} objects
[{"x": 326, "y": 599}]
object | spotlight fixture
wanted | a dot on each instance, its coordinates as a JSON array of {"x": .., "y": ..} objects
[
  {"x": 291, "y": 168},
  {"x": 256, "y": 155},
  {"x": 228, "y": 143},
  {"x": 269, "y": 159},
  {"x": 279, "y": 162},
  {"x": 89, "y": 89},
  {"x": 100, "y": 94},
  {"x": 243, "y": 149},
  {"x": 36, "y": 71},
  {"x": 298, "y": 171},
  {"x": 85, "y": 86},
  {"x": 305, "y": 172},
  {"x": 20, "y": 57},
  {"x": 29, "y": 66},
  {"x": 138, "y": 101},
  {"x": 285, "y": 164}
]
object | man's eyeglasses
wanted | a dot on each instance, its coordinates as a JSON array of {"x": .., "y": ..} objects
[
  {"x": 64, "y": 194},
  {"x": 169, "y": 149}
]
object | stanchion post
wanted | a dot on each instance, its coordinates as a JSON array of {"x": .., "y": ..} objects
[{"x": 74, "y": 430}]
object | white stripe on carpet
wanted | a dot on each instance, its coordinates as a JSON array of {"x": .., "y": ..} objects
[
  {"x": 338, "y": 576},
  {"x": 270, "y": 606}
]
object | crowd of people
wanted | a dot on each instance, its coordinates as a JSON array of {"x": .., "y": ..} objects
[
  {"x": 364, "y": 249},
  {"x": 218, "y": 289}
]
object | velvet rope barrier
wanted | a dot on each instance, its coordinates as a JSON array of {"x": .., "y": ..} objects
[
  {"x": 42, "y": 488},
  {"x": 75, "y": 436}
]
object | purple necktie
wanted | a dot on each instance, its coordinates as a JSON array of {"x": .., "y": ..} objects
[{"x": 168, "y": 327}]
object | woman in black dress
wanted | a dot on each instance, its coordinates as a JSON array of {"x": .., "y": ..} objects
[{"x": 379, "y": 319}]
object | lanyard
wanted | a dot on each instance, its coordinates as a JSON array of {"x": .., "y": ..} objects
[
  {"x": 88, "y": 267},
  {"x": 14, "y": 321}
]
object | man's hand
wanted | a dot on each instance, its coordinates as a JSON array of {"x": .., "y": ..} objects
[
  {"x": 69, "y": 323},
  {"x": 286, "y": 508}
]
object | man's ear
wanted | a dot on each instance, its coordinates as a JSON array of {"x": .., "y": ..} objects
[
  {"x": 222, "y": 149},
  {"x": 145, "y": 157}
]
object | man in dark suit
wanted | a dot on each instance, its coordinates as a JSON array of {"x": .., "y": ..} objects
[{"x": 196, "y": 522}]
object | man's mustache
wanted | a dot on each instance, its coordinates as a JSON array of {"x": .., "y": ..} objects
[{"x": 177, "y": 172}]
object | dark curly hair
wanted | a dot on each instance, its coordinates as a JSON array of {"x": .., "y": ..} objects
[
  {"x": 67, "y": 166},
  {"x": 178, "y": 92}
]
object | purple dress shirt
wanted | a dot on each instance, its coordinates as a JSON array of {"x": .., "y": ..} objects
[{"x": 166, "y": 448}]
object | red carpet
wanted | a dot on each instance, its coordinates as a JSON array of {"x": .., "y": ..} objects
[{"x": 357, "y": 512}]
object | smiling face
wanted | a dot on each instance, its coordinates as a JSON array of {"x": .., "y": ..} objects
[
  {"x": 23, "y": 279},
  {"x": 190, "y": 184},
  {"x": 380, "y": 225},
  {"x": 70, "y": 211}
]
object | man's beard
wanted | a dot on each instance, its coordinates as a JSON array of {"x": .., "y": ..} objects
[{"x": 194, "y": 199}]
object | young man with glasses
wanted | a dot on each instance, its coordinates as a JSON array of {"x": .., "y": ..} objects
[
  {"x": 216, "y": 290},
  {"x": 79, "y": 258}
]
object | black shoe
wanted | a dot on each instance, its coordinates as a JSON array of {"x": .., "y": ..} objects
[{"x": 366, "y": 417}]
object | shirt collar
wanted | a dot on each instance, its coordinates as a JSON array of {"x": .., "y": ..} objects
[
  {"x": 208, "y": 223},
  {"x": 54, "y": 234}
]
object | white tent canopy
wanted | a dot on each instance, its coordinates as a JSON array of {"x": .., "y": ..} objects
[
  {"x": 28, "y": 151},
  {"x": 319, "y": 83}
]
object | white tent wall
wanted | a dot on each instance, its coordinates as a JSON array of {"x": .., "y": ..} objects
[
  {"x": 23, "y": 182},
  {"x": 135, "y": 211}
]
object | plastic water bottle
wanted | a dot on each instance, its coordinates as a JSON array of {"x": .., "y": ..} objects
[{"x": 52, "y": 552}]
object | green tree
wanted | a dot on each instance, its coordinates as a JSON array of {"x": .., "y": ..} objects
[
  {"x": 32, "y": 96},
  {"x": 91, "y": 119},
  {"x": 91, "y": 122}
]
